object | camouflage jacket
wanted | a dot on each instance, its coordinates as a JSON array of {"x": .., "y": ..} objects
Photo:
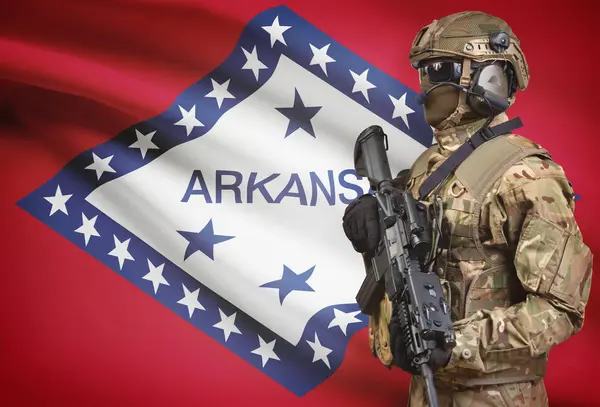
[{"x": 522, "y": 286}]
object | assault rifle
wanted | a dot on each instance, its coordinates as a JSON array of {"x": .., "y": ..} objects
[{"x": 398, "y": 265}]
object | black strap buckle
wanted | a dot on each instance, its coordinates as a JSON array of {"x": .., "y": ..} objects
[
  {"x": 481, "y": 136},
  {"x": 487, "y": 134}
]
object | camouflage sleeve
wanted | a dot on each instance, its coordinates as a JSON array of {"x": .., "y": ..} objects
[
  {"x": 535, "y": 210},
  {"x": 401, "y": 179}
]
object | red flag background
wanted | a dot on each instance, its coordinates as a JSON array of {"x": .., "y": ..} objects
[{"x": 73, "y": 73}]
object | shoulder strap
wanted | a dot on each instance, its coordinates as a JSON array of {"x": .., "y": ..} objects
[
  {"x": 479, "y": 138},
  {"x": 480, "y": 171}
]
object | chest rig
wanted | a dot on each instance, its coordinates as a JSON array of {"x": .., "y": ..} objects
[{"x": 474, "y": 275}]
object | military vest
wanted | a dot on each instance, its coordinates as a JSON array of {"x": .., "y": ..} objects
[{"x": 474, "y": 276}]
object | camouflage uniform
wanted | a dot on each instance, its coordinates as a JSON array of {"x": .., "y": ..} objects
[
  {"x": 516, "y": 291},
  {"x": 513, "y": 264}
]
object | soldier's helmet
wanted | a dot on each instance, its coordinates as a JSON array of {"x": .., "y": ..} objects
[{"x": 475, "y": 35}]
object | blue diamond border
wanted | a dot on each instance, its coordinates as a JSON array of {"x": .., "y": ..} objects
[{"x": 295, "y": 370}]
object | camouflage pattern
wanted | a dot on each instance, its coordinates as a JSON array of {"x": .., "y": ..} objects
[
  {"x": 519, "y": 293},
  {"x": 379, "y": 333},
  {"x": 466, "y": 35},
  {"x": 524, "y": 394}
]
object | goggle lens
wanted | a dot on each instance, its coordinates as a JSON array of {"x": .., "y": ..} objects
[{"x": 442, "y": 71}]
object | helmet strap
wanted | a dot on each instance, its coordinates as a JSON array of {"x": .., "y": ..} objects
[{"x": 462, "y": 107}]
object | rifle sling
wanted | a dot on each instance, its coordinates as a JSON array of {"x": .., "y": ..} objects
[{"x": 455, "y": 159}]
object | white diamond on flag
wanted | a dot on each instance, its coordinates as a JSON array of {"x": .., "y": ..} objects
[{"x": 239, "y": 217}]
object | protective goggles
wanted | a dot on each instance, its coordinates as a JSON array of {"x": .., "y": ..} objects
[{"x": 443, "y": 71}]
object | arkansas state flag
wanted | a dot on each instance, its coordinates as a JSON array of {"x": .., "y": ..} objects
[{"x": 174, "y": 175}]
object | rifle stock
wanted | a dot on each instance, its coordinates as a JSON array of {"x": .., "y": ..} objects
[{"x": 397, "y": 266}]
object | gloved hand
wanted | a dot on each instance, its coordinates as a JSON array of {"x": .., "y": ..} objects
[
  {"x": 439, "y": 357},
  {"x": 360, "y": 221},
  {"x": 399, "y": 352},
  {"x": 361, "y": 224}
]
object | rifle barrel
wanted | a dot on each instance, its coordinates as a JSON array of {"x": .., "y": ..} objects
[{"x": 427, "y": 375}]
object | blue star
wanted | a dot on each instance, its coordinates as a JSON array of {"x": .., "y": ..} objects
[
  {"x": 291, "y": 281},
  {"x": 299, "y": 115},
  {"x": 203, "y": 241}
]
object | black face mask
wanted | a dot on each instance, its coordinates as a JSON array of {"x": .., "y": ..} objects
[{"x": 440, "y": 104}]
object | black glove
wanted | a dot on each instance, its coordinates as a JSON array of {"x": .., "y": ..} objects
[
  {"x": 360, "y": 221},
  {"x": 439, "y": 357},
  {"x": 361, "y": 224},
  {"x": 401, "y": 357}
]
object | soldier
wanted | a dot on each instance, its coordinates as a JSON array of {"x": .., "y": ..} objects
[{"x": 511, "y": 257}]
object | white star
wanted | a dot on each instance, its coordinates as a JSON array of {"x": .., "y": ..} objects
[
  {"x": 87, "y": 228},
  {"x": 100, "y": 165},
  {"x": 155, "y": 275},
  {"x": 400, "y": 108},
  {"x": 321, "y": 351},
  {"x": 58, "y": 201},
  {"x": 144, "y": 142},
  {"x": 190, "y": 300},
  {"x": 361, "y": 84},
  {"x": 252, "y": 62},
  {"x": 320, "y": 57},
  {"x": 227, "y": 324},
  {"x": 188, "y": 119},
  {"x": 343, "y": 319},
  {"x": 276, "y": 31},
  {"x": 265, "y": 350},
  {"x": 121, "y": 251},
  {"x": 220, "y": 92}
]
